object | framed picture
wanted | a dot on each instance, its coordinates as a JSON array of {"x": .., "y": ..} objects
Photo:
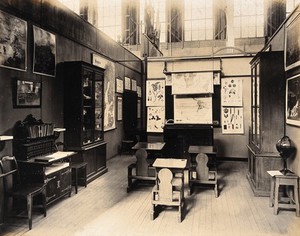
[
  {"x": 44, "y": 52},
  {"x": 120, "y": 108},
  {"x": 292, "y": 42},
  {"x": 293, "y": 100},
  {"x": 13, "y": 42},
  {"x": 27, "y": 94},
  {"x": 127, "y": 83},
  {"x": 119, "y": 85},
  {"x": 133, "y": 85}
]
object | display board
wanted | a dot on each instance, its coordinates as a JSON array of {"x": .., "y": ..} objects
[
  {"x": 192, "y": 83},
  {"x": 193, "y": 110}
]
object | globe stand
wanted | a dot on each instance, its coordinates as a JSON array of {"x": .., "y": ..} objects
[{"x": 285, "y": 170}]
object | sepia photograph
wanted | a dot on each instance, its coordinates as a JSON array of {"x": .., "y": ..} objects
[{"x": 150, "y": 118}]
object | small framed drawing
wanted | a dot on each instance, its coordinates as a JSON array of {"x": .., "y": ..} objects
[
  {"x": 127, "y": 83},
  {"x": 119, "y": 85},
  {"x": 292, "y": 45},
  {"x": 133, "y": 85},
  {"x": 27, "y": 94},
  {"x": 293, "y": 100},
  {"x": 120, "y": 108}
]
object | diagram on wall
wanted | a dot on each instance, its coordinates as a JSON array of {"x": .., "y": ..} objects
[
  {"x": 232, "y": 120},
  {"x": 232, "y": 92},
  {"x": 192, "y": 110},
  {"x": 44, "y": 52},
  {"x": 13, "y": 42},
  {"x": 155, "y": 95},
  {"x": 155, "y": 119},
  {"x": 192, "y": 83}
]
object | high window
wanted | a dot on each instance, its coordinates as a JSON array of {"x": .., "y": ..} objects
[
  {"x": 248, "y": 18},
  {"x": 198, "y": 20}
]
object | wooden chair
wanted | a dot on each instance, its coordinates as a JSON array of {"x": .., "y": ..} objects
[
  {"x": 140, "y": 170},
  {"x": 200, "y": 174},
  {"x": 13, "y": 187},
  {"x": 164, "y": 193}
]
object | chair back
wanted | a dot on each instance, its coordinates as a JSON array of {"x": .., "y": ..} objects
[
  {"x": 141, "y": 162},
  {"x": 202, "y": 169},
  {"x": 9, "y": 168},
  {"x": 165, "y": 187}
]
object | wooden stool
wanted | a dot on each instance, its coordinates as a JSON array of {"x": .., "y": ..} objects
[
  {"x": 290, "y": 202},
  {"x": 76, "y": 167}
]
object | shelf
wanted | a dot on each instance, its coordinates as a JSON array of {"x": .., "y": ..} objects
[{"x": 6, "y": 138}]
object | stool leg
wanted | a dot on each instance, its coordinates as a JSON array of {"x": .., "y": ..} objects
[
  {"x": 271, "y": 201},
  {"x": 84, "y": 176},
  {"x": 76, "y": 180},
  {"x": 276, "y": 197},
  {"x": 296, "y": 197}
]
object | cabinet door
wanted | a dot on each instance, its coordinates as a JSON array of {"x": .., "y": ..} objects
[
  {"x": 52, "y": 189},
  {"x": 98, "y": 131},
  {"x": 65, "y": 181},
  {"x": 88, "y": 111}
]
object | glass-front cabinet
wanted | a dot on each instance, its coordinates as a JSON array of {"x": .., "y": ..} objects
[
  {"x": 83, "y": 114},
  {"x": 267, "y": 119}
]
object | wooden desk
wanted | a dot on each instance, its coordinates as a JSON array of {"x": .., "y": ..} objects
[
  {"x": 157, "y": 146},
  {"x": 175, "y": 165},
  {"x": 54, "y": 169},
  {"x": 210, "y": 151}
]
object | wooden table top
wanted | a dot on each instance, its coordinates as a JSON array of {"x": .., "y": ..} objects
[
  {"x": 170, "y": 163},
  {"x": 149, "y": 146}
]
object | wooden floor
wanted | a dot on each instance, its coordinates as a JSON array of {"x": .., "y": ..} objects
[{"x": 104, "y": 208}]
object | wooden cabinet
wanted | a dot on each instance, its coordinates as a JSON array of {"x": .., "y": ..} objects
[
  {"x": 83, "y": 115},
  {"x": 267, "y": 118}
]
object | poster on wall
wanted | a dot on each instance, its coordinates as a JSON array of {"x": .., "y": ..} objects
[
  {"x": 120, "y": 108},
  {"x": 155, "y": 119},
  {"x": 133, "y": 85},
  {"x": 293, "y": 100},
  {"x": 232, "y": 92},
  {"x": 119, "y": 85},
  {"x": 155, "y": 93},
  {"x": 139, "y": 91},
  {"x": 44, "y": 52},
  {"x": 27, "y": 94},
  {"x": 193, "y": 110},
  {"x": 127, "y": 83},
  {"x": 292, "y": 43},
  {"x": 192, "y": 83},
  {"x": 232, "y": 120},
  {"x": 13, "y": 42},
  {"x": 109, "y": 91}
]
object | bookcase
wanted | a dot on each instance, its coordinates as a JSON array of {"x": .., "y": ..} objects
[
  {"x": 83, "y": 115},
  {"x": 267, "y": 119}
]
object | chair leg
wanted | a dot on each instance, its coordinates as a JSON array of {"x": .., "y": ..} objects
[
  {"x": 29, "y": 211},
  {"x": 44, "y": 202}
]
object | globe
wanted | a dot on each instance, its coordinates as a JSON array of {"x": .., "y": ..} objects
[{"x": 286, "y": 148}]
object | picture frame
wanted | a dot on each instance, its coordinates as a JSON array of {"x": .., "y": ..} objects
[
  {"x": 293, "y": 100},
  {"x": 133, "y": 85},
  {"x": 292, "y": 39},
  {"x": 119, "y": 108},
  {"x": 119, "y": 85},
  {"x": 44, "y": 52},
  {"x": 127, "y": 83},
  {"x": 13, "y": 46},
  {"x": 27, "y": 94}
]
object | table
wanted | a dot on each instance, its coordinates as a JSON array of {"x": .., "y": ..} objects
[
  {"x": 149, "y": 146},
  {"x": 176, "y": 166},
  {"x": 210, "y": 151}
]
